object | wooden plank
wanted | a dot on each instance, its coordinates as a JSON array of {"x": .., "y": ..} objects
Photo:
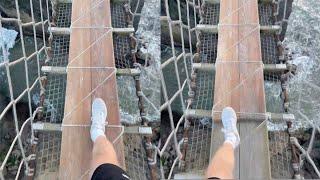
[
  {"x": 89, "y": 47},
  {"x": 217, "y": 139},
  {"x": 254, "y": 151},
  {"x": 239, "y": 84},
  {"x": 254, "y": 157},
  {"x": 227, "y": 71},
  {"x": 251, "y": 66}
]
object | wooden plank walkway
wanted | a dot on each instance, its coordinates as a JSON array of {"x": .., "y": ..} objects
[
  {"x": 90, "y": 46},
  {"x": 239, "y": 83}
]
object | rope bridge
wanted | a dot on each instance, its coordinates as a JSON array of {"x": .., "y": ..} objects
[
  {"x": 201, "y": 20},
  {"x": 38, "y": 136}
]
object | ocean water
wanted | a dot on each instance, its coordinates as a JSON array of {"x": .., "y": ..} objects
[{"x": 303, "y": 39}]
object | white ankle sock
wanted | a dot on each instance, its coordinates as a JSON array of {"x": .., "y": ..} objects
[
  {"x": 95, "y": 133},
  {"x": 230, "y": 137}
]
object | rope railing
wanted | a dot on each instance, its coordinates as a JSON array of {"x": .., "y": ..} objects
[
  {"x": 178, "y": 95},
  {"x": 26, "y": 155}
]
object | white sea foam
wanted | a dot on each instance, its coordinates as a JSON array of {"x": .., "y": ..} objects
[
  {"x": 303, "y": 38},
  {"x": 7, "y": 41}
]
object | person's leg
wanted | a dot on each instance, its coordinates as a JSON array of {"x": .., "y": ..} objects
[
  {"x": 222, "y": 163},
  {"x": 103, "y": 151}
]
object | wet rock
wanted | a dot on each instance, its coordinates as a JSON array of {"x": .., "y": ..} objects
[
  {"x": 7, "y": 132},
  {"x": 4, "y": 171},
  {"x": 170, "y": 76},
  {"x": 8, "y": 9},
  {"x": 148, "y": 35},
  {"x": 174, "y": 14},
  {"x": 3, "y": 102},
  {"x": 16, "y": 153},
  {"x": 287, "y": 7},
  {"x": 304, "y": 136},
  {"x": 13, "y": 170}
]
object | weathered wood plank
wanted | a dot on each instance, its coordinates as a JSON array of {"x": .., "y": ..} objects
[
  {"x": 89, "y": 47},
  {"x": 227, "y": 72},
  {"x": 239, "y": 84},
  {"x": 254, "y": 157},
  {"x": 217, "y": 139},
  {"x": 254, "y": 151}
]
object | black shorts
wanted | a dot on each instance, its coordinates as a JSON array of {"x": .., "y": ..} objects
[{"x": 109, "y": 172}]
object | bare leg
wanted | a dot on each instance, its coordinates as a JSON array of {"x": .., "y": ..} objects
[
  {"x": 103, "y": 152},
  {"x": 222, "y": 163}
]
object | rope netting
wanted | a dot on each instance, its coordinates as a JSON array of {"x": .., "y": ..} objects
[
  {"x": 138, "y": 150},
  {"x": 23, "y": 143},
  {"x": 172, "y": 141},
  {"x": 53, "y": 93}
]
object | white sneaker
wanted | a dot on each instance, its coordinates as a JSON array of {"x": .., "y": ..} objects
[
  {"x": 229, "y": 121},
  {"x": 98, "y": 117}
]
